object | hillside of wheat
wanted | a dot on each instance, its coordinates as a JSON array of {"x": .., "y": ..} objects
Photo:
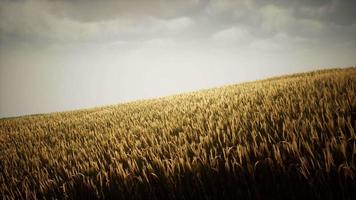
[{"x": 290, "y": 137}]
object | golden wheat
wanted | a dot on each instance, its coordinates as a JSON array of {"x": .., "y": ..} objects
[{"x": 291, "y": 136}]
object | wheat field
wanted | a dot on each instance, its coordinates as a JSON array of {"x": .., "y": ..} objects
[{"x": 289, "y": 137}]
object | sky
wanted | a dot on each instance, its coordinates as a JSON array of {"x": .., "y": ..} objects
[{"x": 59, "y": 55}]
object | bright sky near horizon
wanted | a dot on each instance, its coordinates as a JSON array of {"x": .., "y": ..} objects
[{"x": 58, "y": 55}]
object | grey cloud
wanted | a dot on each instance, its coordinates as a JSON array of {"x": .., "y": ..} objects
[
  {"x": 320, "y": 20},
  {"x": 294, "y": 3},
  {"x": 96, "y": 10},
  {"x": 329, "y": 11},
  {"x": 41, "y": 21}
]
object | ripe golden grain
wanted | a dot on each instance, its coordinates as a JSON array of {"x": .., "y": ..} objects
[{"x": 292, "y": 135}]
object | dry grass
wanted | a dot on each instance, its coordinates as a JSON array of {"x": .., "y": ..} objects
[{"x": 289, "y": 137}]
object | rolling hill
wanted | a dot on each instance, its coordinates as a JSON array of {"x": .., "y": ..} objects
[{"x": 290, "y": 137}]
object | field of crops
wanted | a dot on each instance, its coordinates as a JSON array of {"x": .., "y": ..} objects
[{"x": 290, "y": 137}]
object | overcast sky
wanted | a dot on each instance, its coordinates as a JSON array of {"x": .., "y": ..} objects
[{"x": 58, "y": 55}]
